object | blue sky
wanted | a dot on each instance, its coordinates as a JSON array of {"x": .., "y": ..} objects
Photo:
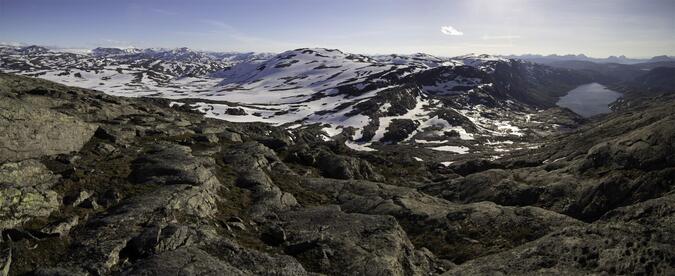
[{"x": 593, "y": 27}]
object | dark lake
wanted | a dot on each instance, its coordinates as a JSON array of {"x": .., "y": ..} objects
[{"x": 589, "y": 99}]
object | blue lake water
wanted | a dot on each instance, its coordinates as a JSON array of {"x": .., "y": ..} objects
[{"x": 589, "y": 99}]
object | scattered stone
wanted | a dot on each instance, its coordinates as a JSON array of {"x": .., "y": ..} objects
[
  {"x": 238, "y": 225},
  {"x": 231, "y": 137},
  {"x": 274, "y": 235},
  {"x": 89, "y": 203},
  {"x": 116, "y": 133},
  {"x": 110, "y": 197},
  {"x": 105, "y": 149},
  {"x": 345, "y": 167},
  {"x": 67, "y": 159},
  {"x": 61, "y": 228},
  {"x": 182, "y": 123},
  {"x": 207, "y": 138},
  {"x": 235, "y": 219},
  {"x": 81, "y": 197},
  {"x": 210, "y": 129}
]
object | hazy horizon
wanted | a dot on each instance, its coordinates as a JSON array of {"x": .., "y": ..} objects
[
  {"x": 444, "y": 28},
  {"x": 75, "y": 49}
]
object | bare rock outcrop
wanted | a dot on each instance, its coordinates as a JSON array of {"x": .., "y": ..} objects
[
  {"x": 30, "y": 132},
  {"x": 26, "y": 192}
]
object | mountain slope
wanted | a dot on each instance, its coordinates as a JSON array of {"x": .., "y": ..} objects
[
  {"x": 656, "y": 81},
  {"x": 607, "y": 73}
]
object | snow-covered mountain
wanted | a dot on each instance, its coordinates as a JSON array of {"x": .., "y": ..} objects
[
  {"x": 420, "y": 59},
  {"x": 448, "y": 104},
  {"x": 472, "y": 104},
  {"x": 127, "y": 72}
]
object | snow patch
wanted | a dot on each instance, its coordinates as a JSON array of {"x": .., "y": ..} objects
[
  {"x": 455, "y": 149},
  {"x": 359, "y": 147}
]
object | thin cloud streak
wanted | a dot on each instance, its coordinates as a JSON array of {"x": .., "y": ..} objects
[
  {"x": 500, "y": 37},
  {"x": 218, "y": 24},
  {"x": 163, "y": 11},
  {"x": 238, "y": 40}
]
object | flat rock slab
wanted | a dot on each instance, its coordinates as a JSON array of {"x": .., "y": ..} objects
[{"x": 30, "y": 132}]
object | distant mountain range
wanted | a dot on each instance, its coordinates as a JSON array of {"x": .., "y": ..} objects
[
  {"x": 581, "y": 57},
  {"x": 369, "y": 100}
]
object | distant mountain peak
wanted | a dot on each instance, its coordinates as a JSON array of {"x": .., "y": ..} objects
[{"x": 661, "y": 58}]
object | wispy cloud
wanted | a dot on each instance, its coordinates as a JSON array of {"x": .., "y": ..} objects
[
  {"x": 163, "y": 11},
  {"x": 107, "y": 42},
  {"x": 218, "y": 24},
  {"x": 13, "y": 43},
  {"x": 238, "y": 41},
  {"x": 500, "y": 37},
  {"x": 449, "y": 30}
]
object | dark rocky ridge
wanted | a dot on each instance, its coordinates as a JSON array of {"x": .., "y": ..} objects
[
  {"x": 656, "y": 82},
  {"x": 134, "y": 187}
]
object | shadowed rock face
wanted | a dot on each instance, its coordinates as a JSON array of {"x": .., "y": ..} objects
[
  {"x": 134, "y": 187},
  {"x": 633, "y": 239}
]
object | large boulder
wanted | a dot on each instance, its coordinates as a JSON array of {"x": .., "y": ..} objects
[
  {"x": 171, "y": 164},
  {"x": 345, "y": 167},
  {"x": 253, "y": 162},
  {"x": 327, "y": 240},
  {"x": 27, "y": 131},
  {"x": 184, "y": 261},
  {"x": 254, "y": 262}
]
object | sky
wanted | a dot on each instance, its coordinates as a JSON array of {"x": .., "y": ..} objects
[{"x": 597, "y": 28}]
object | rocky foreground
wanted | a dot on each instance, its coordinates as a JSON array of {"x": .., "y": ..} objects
[{"x": 92, "y": 184}]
